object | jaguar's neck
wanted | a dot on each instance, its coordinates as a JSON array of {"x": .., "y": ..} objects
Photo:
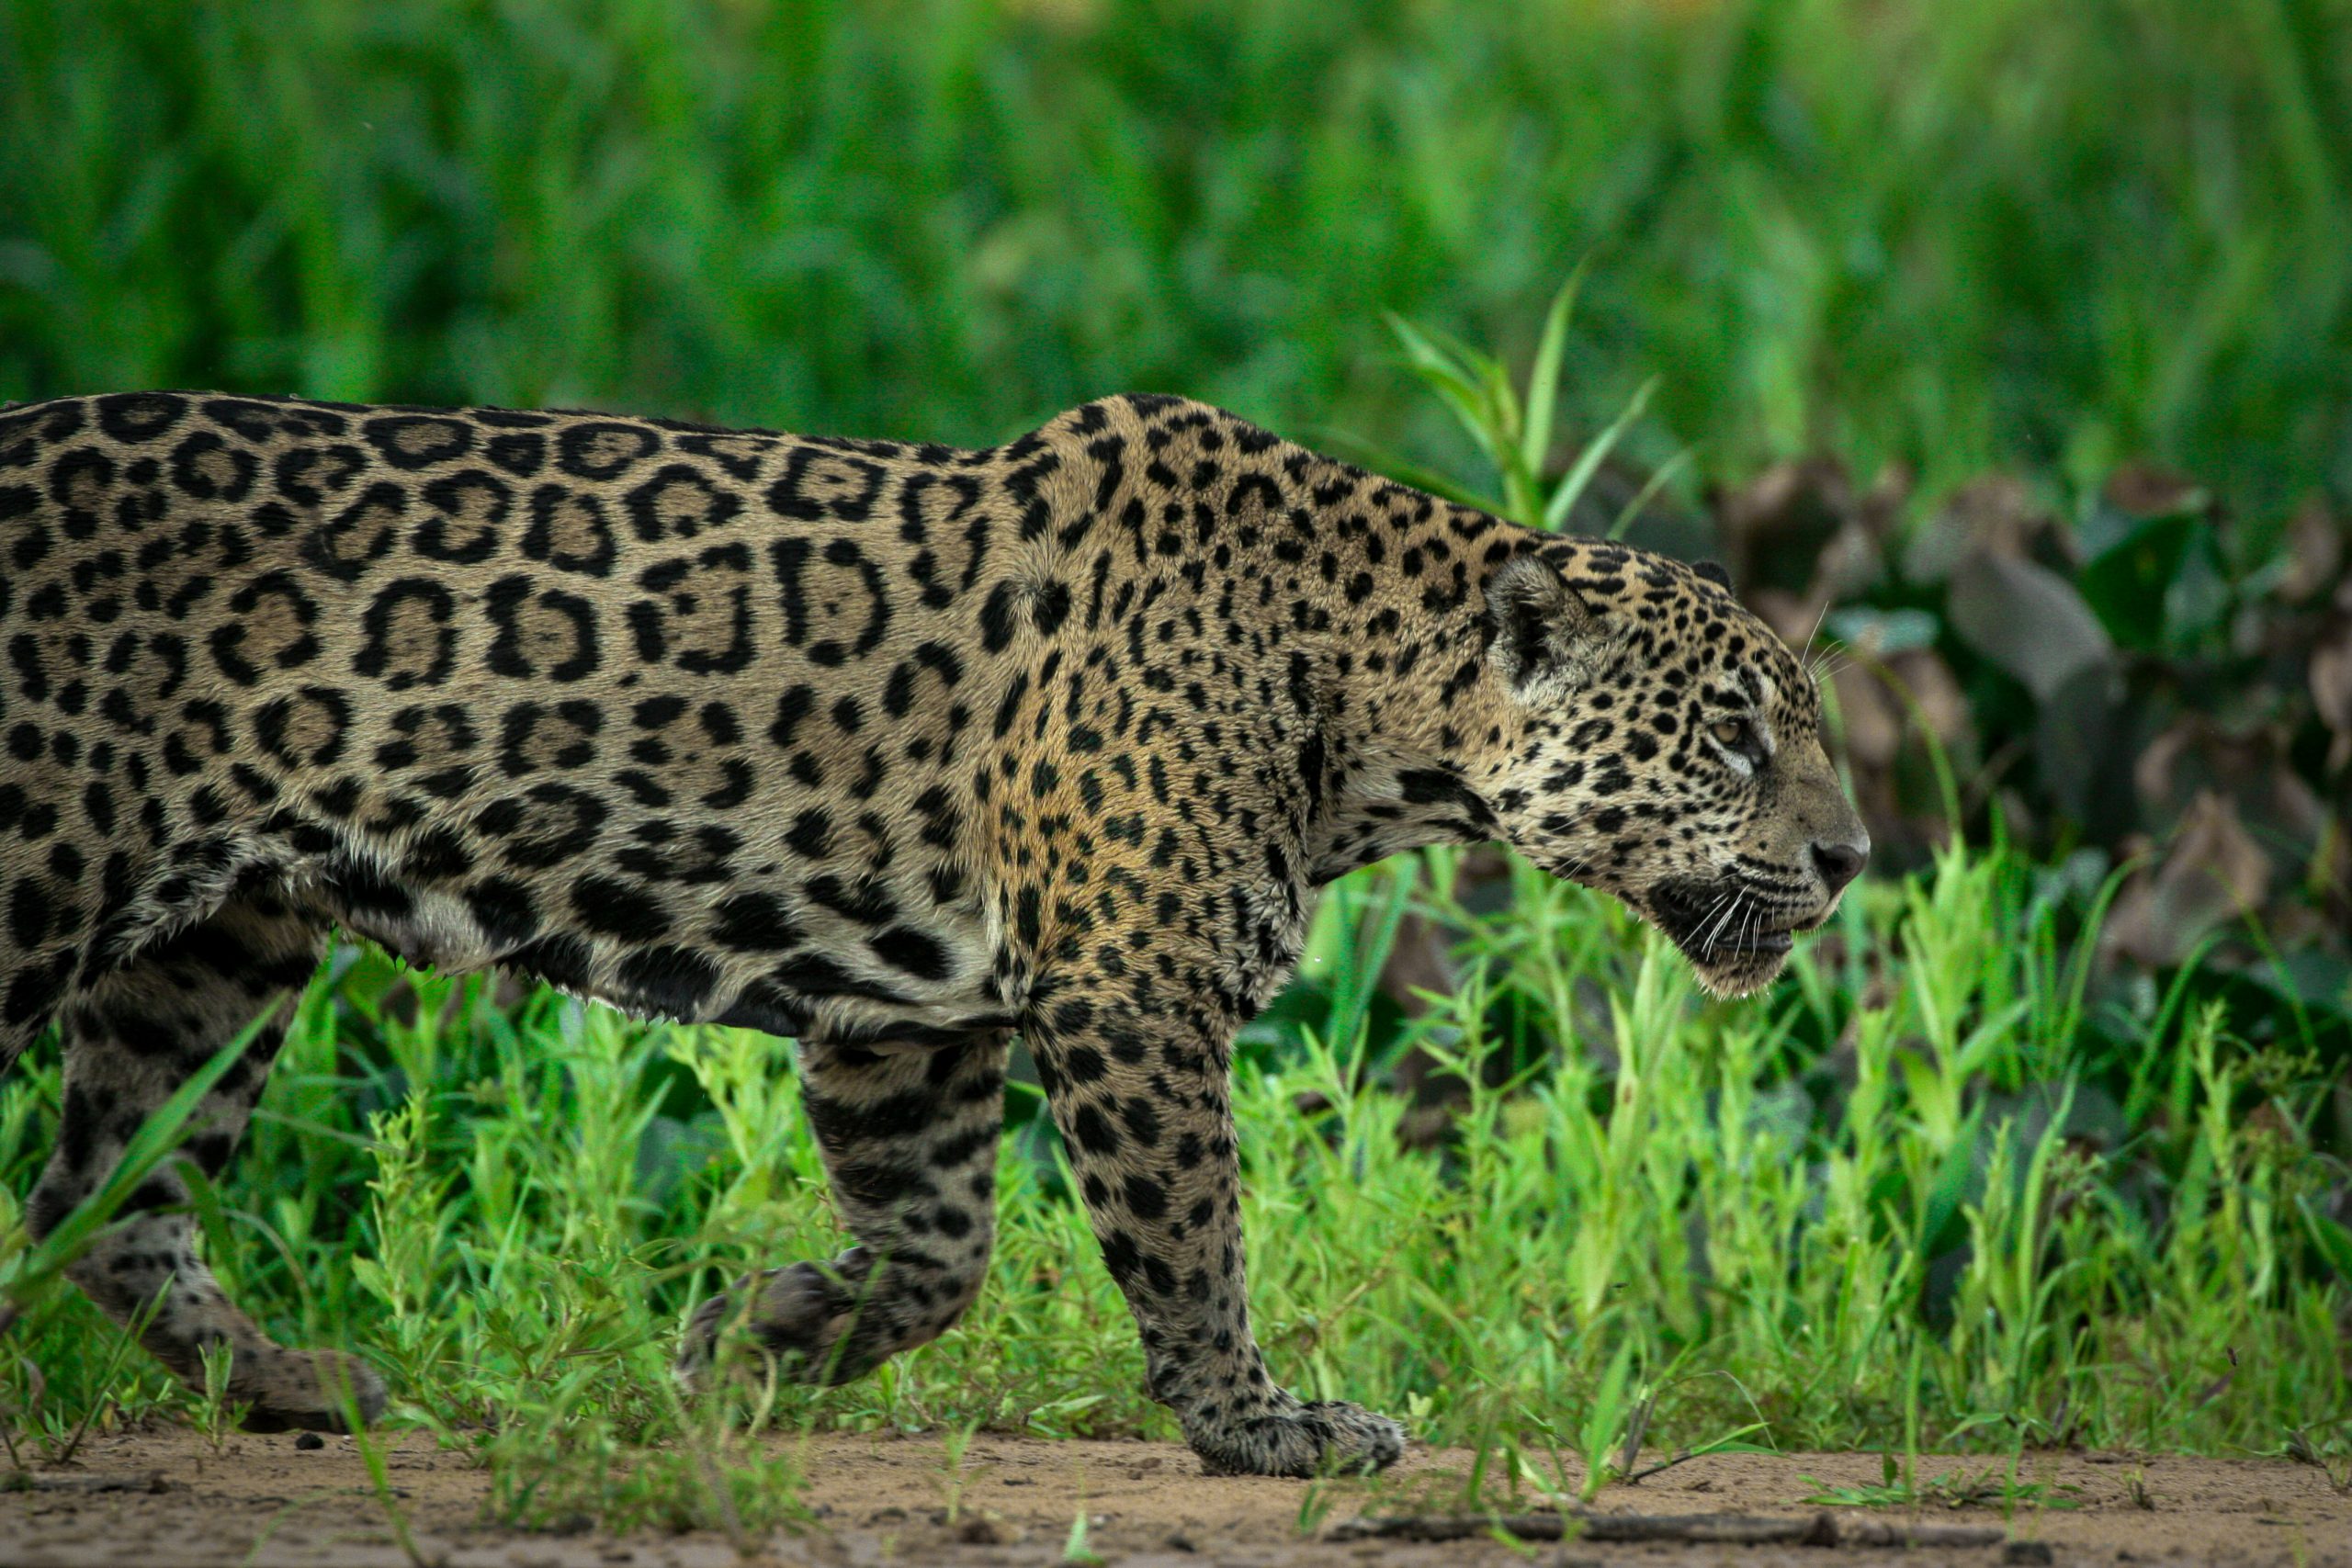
[{"x": 1391, "y": 618}]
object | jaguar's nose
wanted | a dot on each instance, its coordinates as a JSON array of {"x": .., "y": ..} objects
[{"x": 1839, "y": 863}]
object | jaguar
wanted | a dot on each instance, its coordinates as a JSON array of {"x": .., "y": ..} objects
[{"x": 899, "y": 751}]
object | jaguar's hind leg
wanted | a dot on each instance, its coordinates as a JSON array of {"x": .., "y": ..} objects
[
  {"x": 130, "y": 1040},
  {"x": 909, "y": 1139}
]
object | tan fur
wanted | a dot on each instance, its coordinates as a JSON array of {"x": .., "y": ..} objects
[{"x": 896, "y": 750}]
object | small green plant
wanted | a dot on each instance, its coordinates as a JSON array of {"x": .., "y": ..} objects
[
  {"x": 61, "y": 1452},
  {"x": 2325, "y": 1446},
  {"x": 1075, "y": 1552},
  {"x": 954, "y": 1475},
  {"x": 1995, "y": 1485},
  {"x": 1314, "y": 1504},
  {"x": 1514, "y": 431},
  {"x": 1613, "y": 1425},
  {"x": 215, "y": 1413}
]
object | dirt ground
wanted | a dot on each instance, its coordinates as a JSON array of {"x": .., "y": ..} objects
[{"x": 169, "y": 1498}]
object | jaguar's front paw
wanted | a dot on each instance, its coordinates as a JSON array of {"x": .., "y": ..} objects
[
  {"x": 1325, "y": 1438},
  {"x": 798, "y": 1316}
]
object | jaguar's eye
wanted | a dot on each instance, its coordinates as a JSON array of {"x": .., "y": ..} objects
[{"x": 1731, "y": 732}]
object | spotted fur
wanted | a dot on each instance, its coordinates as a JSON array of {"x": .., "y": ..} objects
[{"x": 894, "y": 749}]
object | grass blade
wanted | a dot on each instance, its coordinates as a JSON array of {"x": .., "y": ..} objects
[
  {"x": 1589, "y": 461},
  {"x": 30, "y": 1272},
  {"x": 1543, "y": 376}
]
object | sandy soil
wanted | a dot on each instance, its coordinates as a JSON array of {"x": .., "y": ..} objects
[{"x": 168, "y": 1498}]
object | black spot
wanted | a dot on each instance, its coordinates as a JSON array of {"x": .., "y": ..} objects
[
  {"x": 562, "y": 631},
  {"x": 1049, "y": 606},
  {"x": 561, "y": 961},
  {"x": 503, "y": 909},
  {"x": 407, "y": 637},
  {"x": 602, "y": 449},
  {"x": 360, "y": 886},
  {"x": 680, "y": 500},
  {"x": 1142, "y": 1119},
  {"x": 755, "y": 922},
  {"x": 796, "y": 704},
  {"x": 133, "y": 417},
  {"x": 671, "y": 981},
  {"x": 818, "y": 484},
  {"x": 519, "y": 454},
  {"x": 208, "y": 469},
  {"x": 418, "y": 441},
  {"x": 545, "y": 826},
  {"x": 1092, "y": 1132},
  {"x": 471, "y": 499},
  {"x": 811, "y": 833},
  {"x": 1146, "y": 1199},
  {"x": 912, "y": 951},
  {"x": 570, "y": 532},
  {"x": 762, "y": 1006},
  {"x": 996, "y": 618},
  {"x": 618, "y": 909}
]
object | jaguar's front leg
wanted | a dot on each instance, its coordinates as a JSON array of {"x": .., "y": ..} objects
[
  {"x": 910, "y": 1138},
  {"x": 1140, "y": 1095}
]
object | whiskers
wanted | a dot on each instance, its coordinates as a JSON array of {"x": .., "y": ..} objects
[
  {"x": 1822, "y": 664},
  {"x": 1718, "y": 916}
]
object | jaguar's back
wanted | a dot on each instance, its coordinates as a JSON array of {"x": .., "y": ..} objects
[{"x": 675, "y": 717}]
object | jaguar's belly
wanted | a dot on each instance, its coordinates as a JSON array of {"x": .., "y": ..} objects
[{"x": 924, "y": 979}]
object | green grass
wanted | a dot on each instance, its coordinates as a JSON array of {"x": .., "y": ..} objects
[
  {"x": 1965, "y": 1216},
  {"x": 2035, "y": 234}
]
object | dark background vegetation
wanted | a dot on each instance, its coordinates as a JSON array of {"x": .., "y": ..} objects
[
  {"x": 2041, "y": 234},
  {"x": 2004, "y": 348}
]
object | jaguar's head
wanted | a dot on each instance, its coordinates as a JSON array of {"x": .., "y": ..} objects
[{"x": 1664, "y": 745}]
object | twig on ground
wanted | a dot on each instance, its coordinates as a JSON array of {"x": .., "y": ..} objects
[
  {"x": 1731, "y": 1529},
  {"x": 24, "y": 1480}
]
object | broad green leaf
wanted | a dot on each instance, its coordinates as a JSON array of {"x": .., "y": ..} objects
[{"x": 2127, "y": 584}]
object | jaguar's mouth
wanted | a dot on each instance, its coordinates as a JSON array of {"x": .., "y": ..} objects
[{"x": 1734, "y": 934}]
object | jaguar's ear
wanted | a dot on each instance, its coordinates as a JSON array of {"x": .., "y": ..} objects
[
  {"x": 1712, "y": 571},
  {"x": 1541, "y": 630}
]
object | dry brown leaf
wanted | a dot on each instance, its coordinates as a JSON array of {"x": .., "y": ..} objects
[
  {"x": 2331, "y": 678},
  {"x": 2316, "y": 550},
  {"x": 2145, "y": 489},
  {"x": 2026, "y": 619},
  {"x": 1936, "y": 695},
  {"x": 2251, "y": 765},
  {"x": 1994, "y": 513},
  {"x": 1775, "y": 527},
  {"x": 1884, "y": 705},
  {"x": 2211, "y": 871},
  {"x": 1872, "y": 716},
  {"x": 1794, "y": 616},
  {"x": 1884, "y": 503}
]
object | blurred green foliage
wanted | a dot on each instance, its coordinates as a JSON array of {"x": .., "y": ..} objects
[
  {"x": 1946, "y": 1170},
  {"x": 2046, "y": 233}
]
